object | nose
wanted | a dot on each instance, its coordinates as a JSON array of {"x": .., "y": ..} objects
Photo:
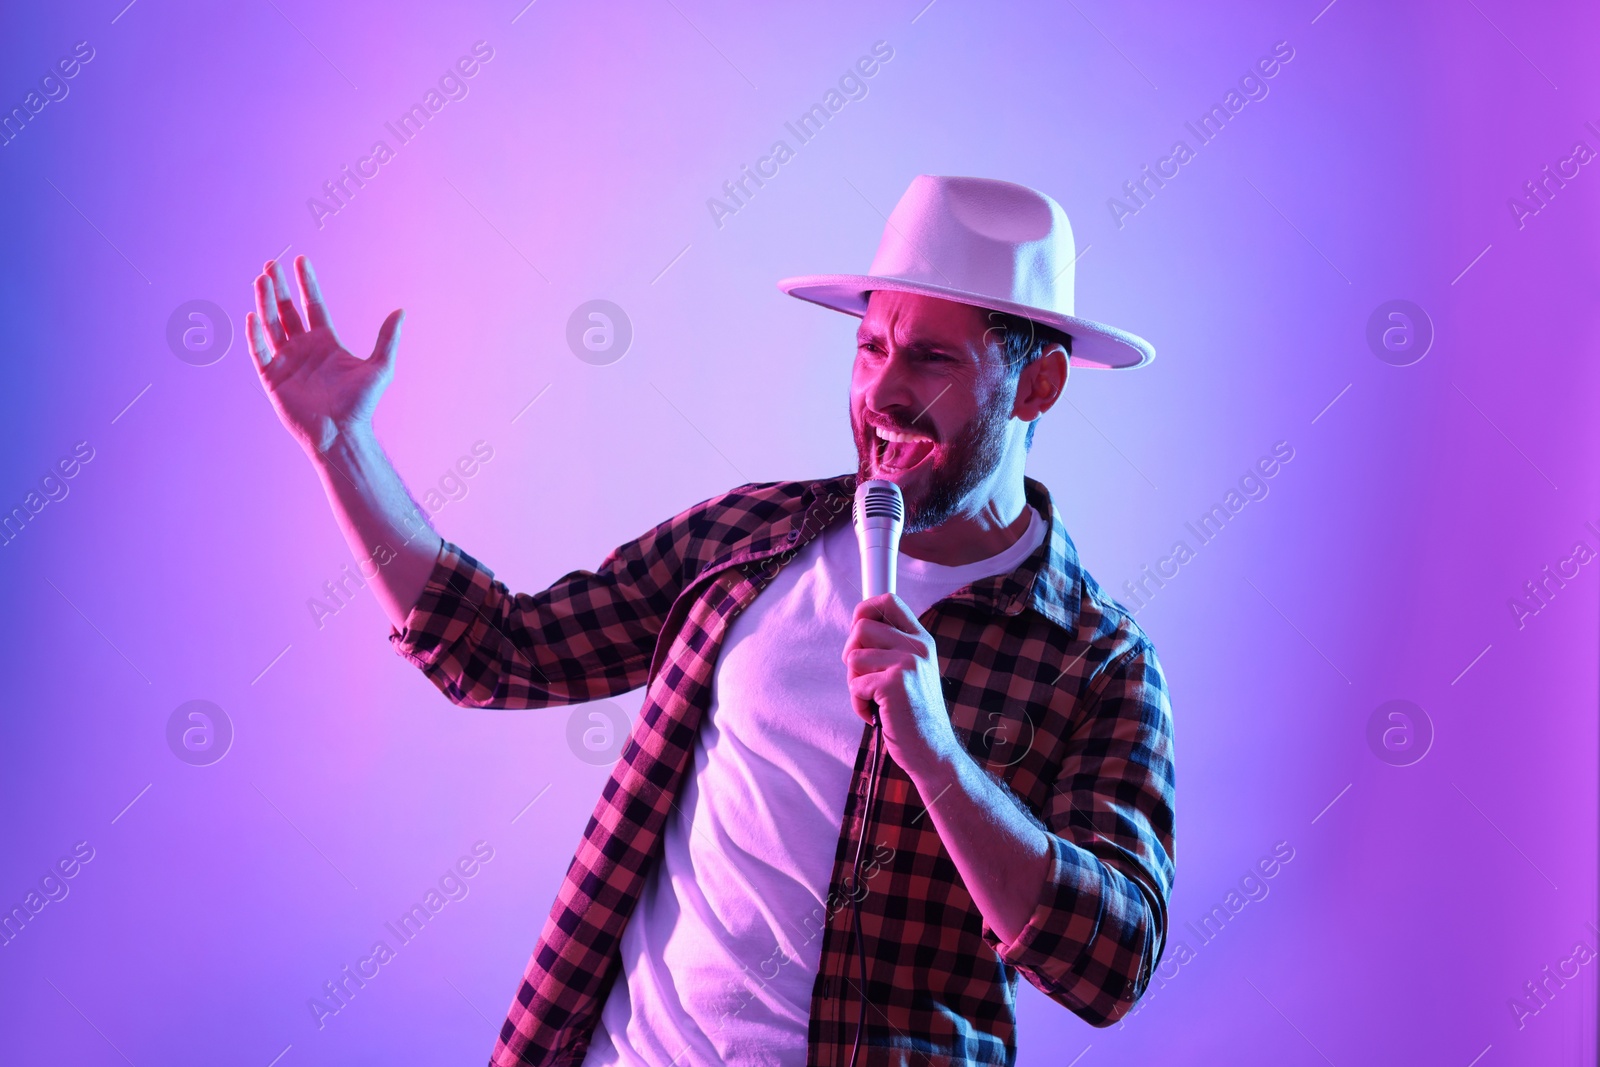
[{"x": 886, "y": 386}]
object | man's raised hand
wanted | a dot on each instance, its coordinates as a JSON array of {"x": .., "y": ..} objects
[{"x": 317, "y": 387}]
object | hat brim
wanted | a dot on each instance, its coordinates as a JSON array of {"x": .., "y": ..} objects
[{"x": 1094, "y": 344}]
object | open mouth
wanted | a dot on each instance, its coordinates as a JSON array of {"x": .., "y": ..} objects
[{"x": 897, "y": 451}]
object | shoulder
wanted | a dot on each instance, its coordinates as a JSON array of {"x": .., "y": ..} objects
[
  {"x": 748, "y": 505},
  {"x": 750, "y": 516},
  {"x": 1113, "y": 641}
]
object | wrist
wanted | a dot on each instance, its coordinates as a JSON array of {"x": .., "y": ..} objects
[
  {"x": 341, "y": 444},
  {"x": 932, "y": 766}
]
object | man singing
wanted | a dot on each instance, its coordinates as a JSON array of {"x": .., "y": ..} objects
[{"x": 1021, "y": 818}]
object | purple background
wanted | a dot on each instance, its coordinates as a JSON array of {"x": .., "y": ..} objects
[{"x": 1380, "y": 566}]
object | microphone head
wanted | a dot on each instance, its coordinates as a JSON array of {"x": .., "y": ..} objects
[
  {"x": 879, "y": 516},
  {"x": 879, "y": 503}
]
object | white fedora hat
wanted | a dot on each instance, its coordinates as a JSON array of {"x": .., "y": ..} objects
[{"x": 984, "y": 242}]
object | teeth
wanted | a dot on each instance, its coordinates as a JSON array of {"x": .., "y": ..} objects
[{"x": 901, "y": 438}]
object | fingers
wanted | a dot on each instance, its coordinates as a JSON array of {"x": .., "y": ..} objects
[
  {"x": 267, "y": 309},
  {"x": 892, "y": 610},
  {"x": 388, "y": 341},
  {"x": 872, "y": 660},
  {"x": 285, "y": 297},
  {"x": 311, "y": 294},
  {"x": 260, "y": 350},
  {"x": 864, "y": 690},
  {"x": 870, "y": 633}
]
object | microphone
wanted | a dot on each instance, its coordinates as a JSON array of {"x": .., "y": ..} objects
[
  {"x": 879, "y": 516},
  {"x": 880, "y": 513}
]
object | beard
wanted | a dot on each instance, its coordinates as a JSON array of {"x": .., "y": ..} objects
[{"x": 958, "y": 466}]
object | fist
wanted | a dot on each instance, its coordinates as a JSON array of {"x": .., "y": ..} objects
[{"x": 892, "y": 668}]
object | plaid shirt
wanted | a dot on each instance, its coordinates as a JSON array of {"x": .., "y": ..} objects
[{"x": 1050, "y": 685}]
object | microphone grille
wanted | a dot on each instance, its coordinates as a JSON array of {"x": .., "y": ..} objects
[{"x": 881, "y": 500}]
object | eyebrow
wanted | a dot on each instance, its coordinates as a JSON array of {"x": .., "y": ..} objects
[{"x": 864, "y": 334}]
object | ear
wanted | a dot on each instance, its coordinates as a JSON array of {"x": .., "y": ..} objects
[{"x": 1041, "y": 383}]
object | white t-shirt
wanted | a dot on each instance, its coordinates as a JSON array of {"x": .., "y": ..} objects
[{"x": 720, "y": 956}]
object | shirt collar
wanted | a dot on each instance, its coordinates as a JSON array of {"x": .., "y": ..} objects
[{"x": 1049, "y": 580}]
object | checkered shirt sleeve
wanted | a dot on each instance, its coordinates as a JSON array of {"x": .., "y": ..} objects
[
  {"x": 1100, "y": 924},
  {"x": 591, "y": 634}
]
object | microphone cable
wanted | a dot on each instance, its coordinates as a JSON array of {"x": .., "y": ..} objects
[{"x": 855, "y": 880}]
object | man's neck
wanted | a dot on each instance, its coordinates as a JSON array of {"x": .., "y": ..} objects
[{"x": 987, "y": 528}]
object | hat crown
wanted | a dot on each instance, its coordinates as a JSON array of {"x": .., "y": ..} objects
[
  {"x": 981, "y": 236},
  {"x": 987, "y": 243}
]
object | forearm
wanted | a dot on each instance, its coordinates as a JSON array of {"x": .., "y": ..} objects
[
  {"x": 378, "y": 518},
  {"x": 1003, "y": 857},
  {"x": 1073, "y": 889}
]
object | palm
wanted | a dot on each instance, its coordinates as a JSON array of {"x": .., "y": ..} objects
[
  {"x": 322, "y": 387},
  {"x": 318, "y": 388}
]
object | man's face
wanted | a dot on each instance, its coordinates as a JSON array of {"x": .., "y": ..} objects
[{"x": 930, "y": 401}]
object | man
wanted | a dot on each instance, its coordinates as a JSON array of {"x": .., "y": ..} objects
[{"x": 1021, "y": 816}]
